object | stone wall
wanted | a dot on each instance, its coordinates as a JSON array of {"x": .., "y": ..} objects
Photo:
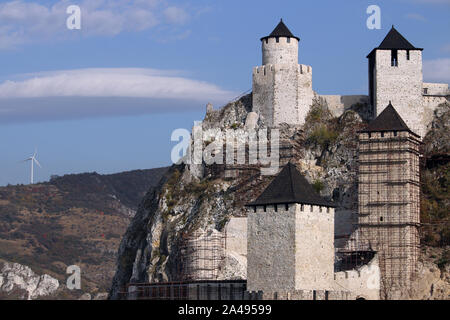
[
  {"x": 363, "y": 282},
  {"x": 235, "y": 263},
  {"x": 305, "y": 92},
  {"x": 435, "y": 89},
  {"x": 271, "y": 250},
  {"x": 402, "y": 85},
  {"x": 314, "y": 247},
  {"x": 281, "y": 52},
  {"x": 290, "y": 249},
  {"x": 338, "y": 104}
]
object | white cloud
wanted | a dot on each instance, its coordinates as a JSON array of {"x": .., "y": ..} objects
[
  {"x": 437, "y": 70},
  {"x": 23, "y": 22},
  {"x": 176, "y": 15},
  {"x": 83, "y": 92}
]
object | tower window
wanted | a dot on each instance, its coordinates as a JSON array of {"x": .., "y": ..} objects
[
  {"x": 382, "y": 134},
  {"x": 254, "y": 209},
  {"x": 381, "y": 218},
  {"x": 394, "y": 58},
  {"x": 425, "y": 90},
  {"x": 276, "y": 208},
  {"x": 302, "y": 207},
  {"x": 267, "y": 40},
  {"x": 286, "y": 206},
  {"x": 278, "y": 39},
  {"x": 407, "y": 54},
  {"x": 265, "y": 208},
  {"x": 288, "y": 40},
  {"x": 395, "y": 133}
]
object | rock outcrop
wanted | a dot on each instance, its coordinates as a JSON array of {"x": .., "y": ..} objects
[{"x": 17, "y": 277}]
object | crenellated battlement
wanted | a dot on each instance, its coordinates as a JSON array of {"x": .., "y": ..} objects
[{"x": 304, "y": 69}]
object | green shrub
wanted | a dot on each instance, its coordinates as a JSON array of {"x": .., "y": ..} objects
[
  {"x": 323, "y": 136},
  {"x": 318, "y": 185}
]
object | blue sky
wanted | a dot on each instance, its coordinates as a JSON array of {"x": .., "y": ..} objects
[{"x": 107, "y": 97}]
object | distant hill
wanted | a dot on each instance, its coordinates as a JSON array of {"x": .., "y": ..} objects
[{"x": 73, "y": 219}]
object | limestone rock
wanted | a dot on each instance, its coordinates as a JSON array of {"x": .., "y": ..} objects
[
  {"x": 17, "y": 276},
  {"x": 251, "y": 121}
]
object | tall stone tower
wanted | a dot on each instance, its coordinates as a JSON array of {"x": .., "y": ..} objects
[
  {"x": 395, "y": 74},
  {"x": 290, "y": 234},
  {"x": 389, "y": 198},
  {"x": 282, "y": 89}
]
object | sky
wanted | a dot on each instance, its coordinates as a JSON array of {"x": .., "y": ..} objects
[{"x": 107, "y": 97}]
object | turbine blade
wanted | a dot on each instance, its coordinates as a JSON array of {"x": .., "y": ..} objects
[{"x": 37, "y": 162}]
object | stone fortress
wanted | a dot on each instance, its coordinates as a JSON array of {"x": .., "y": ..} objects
[
  {"x": 301, "y": 224},
  {"x": 287, "y": 245},
  {"x": 282, "y": 88}
]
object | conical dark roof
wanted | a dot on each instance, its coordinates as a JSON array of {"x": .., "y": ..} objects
[
  {"x": 394, "y": 40},
  {"x": 289, "y": 186},
  {"x": 281, "y": 31},
  {"x": 387, "y": 120}
]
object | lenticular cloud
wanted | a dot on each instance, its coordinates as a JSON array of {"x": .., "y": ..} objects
[{"x": 120, "y": 91}]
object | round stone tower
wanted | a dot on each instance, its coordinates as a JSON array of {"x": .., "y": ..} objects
[{"x": 280, "y": 47}]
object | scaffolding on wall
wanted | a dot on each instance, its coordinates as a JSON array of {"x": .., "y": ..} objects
[
  {"x": 201, "y": 255},
  {"x": 389, "y": 205}
]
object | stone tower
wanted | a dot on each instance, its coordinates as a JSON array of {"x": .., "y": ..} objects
[
  {"x": 395, "y": 74},
  {"x": 389, "y": 198},
  {"x": 282, "y": 89},
  {"x": 290, "y": 237}
]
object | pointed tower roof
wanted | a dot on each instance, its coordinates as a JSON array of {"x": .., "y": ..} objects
[
  {"x": 394, "y": 40},
  {"x": 289, "y": 186},
  {"x": 388, "y": 120},
  {"x": 281, "y": 31}
]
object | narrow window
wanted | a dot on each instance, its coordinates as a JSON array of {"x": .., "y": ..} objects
[
  {"x": 278, "y": 39},
  {"x": 394, "y": 58},
  {"x": 286, "y": 206},
  {"x": 254, "y": 209},
  {"x": 425, "y": 90},
  {"x": 395, "y": 133},
  {"x": 302, "y": 207},
  {"x": 382, "y": 134},
  {"x": 312, "y": 207},
  {"x": 265, "y": 208},
  {"x": 288, "y": 40},
  {"x": 267, "y": 40},
  {"x": 320, "y": 209},
  {"x": 370, "y": 135},
  {"x": 276, "y": 208},
  {"x": 328, "y": 210},
  {"x": 407, "y": 54},
  {"x": 314, "y": 295},
  {"x": 381, "y": 218}
]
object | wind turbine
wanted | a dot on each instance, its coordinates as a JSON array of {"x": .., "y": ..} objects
[{"x": 33, "y": 159}]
